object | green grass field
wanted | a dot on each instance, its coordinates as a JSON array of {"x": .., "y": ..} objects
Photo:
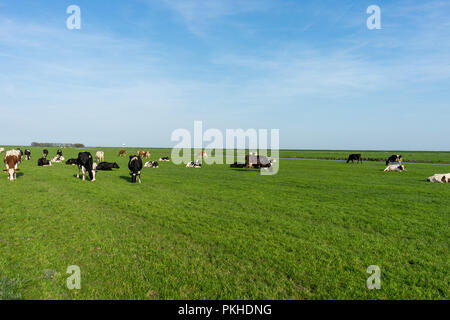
[{"x": 309, "y": 232}]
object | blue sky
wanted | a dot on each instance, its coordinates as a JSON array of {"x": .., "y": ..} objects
[{"x": 139, "y": 69}]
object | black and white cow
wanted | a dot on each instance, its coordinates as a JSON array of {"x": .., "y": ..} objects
[
  {"x": 353, "y": 157},
  {"x": 42, "y": 162},
  {"x": 59, "y": 153},
  {"x": 71, "y": 162},
  {"x": 27, "y": 154},
  {"x": 237, "y": 165},
  {"x": 151, "y": 164},
  {"x": 164, "y": 159},
  {"x": 85, "y": 163},
  {"x": 107, "y": 166},
  {"x": 135, "y": 166},
  {"x": 394, "y": 158},
  {"x": 45, "y": 153}
]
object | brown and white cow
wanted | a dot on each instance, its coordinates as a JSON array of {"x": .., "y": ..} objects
[
  {"x": 12, "y": 161},
  {"x": 122, "y": 153},
  {"x": 100, "y": 155}
]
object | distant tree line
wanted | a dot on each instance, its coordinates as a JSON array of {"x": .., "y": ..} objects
[{"x": 58, "y": 145}]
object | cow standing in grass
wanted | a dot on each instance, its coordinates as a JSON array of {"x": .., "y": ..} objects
[
  {"x": 100, "y": 155},
  {"x": 122, "y": 153},
  {"x": 85, "y": 164},
  {"x": 12, "y": 161},
  {"x": 135, "y": 166},
  {"x": 353, "y": 157}
]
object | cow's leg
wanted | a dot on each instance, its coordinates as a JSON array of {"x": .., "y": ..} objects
[
  {"x": 139, "y": 176},
  {"x": 78, "y": 174},
  {"x": 83, "y": 171},
  {"x": 93, "y": 175}
]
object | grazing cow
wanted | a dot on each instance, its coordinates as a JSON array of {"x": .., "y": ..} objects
[
  {"x": 394, "y": 158},
  {"x": 395, "y": 167},
  {"x": 237, "y": 165},
  {"x": 71, "y": 162},
  {"x": 147, "y": 155},
  {"x": 151, "y": 164},
  {"x": 106, "y": 166},
  {"x": 45, "y": 153},
  {"x": 27, "y": 154},
  {"x": 86, "y": 163},
  {"x": 42, "y": 162},
  {"x": 122, "y": 153},
  {"x": 12, "y": 161},
  {"x": 135, "y": 166},
  {"x": 440, "y": 178},
  {"x": 2, "y": 150},
  {"x": 164, "y": 159},
  {"x": 257, "y": 161},
  {"x": 59, "y": 153},
  {"x": 100, "y": 155},
  {"x": 353, "y": 157}
]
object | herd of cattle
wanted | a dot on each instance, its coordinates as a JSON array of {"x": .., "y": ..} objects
[{"x": 86, "y": 164}]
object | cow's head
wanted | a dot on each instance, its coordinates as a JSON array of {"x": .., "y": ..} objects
[{"x": 11, "y": 173}]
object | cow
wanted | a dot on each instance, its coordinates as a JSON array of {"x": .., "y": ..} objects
[
  {"x": 85, "y": 163},
  {"x": 27, "y": 154},
  {"x": 441, "y": 178},
  {"x": 122, "y": 153},
  {"x": 237, "y": 165},
  {"x": 71, "y": 162},
  {"x": 45, "y": 153},
  {"x": 151, "y": 164},
  {"x": 355, "y": 156},
  {"x": 395, "y": 167},
  {"x": 2, "y": 150},
  {"x": 59, "y": 153},
  {"x": 164, "y": 159},
  {"x": 106, "y": 166},
  {"x": 197, "y": 164},
  {"x": 135, "y": 166},
  {"x": 257, "y": 162},
  {"x": 16, "y": 153},
  {"x": 202, "y": 154},
  {"x": 58, "y": 159},
  {"x": 42, "y": 162},
  {"x": 394, "y": 158},
  {"x": 100, "y": 156},
  {"x": 147, "y": 154},
  {"x": 12, "y": 162}
]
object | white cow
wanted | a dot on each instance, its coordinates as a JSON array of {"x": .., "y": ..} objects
[
  {"x": 441, "y": 178},
  {"x": 58, "y": 159},
  {"x": 395, "y": 167},
  {"x": 197, "y": 164},
  {"x": 151, "y": 164},
  {"x": 100, "y": 155}
]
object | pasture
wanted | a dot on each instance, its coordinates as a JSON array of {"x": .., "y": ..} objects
[{"x": 309, "y": 232}]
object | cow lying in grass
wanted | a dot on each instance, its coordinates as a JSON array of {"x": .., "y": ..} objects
[
  {"x": 42, "y": 162},
  {"x": 395, "y": 167},
  {"x": 237, "y": 165},
  {"x": 197, "y": 164},
  {"x": 440, "y": 178},
  {"x": 71, "y": 162},
  {"x": 58, "y": 159},
  {"x": 151, "y": 164},
  {"x": 164, "y": 159},
  {"x": 107, "y": 166}
]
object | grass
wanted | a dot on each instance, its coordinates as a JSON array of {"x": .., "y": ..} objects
[{"x": 309, "y": 232}]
